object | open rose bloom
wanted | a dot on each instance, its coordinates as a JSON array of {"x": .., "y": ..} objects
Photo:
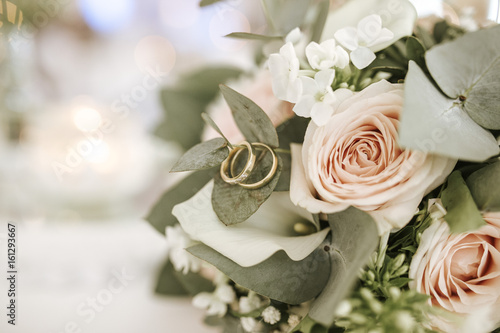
[
  {"x": 461, "y": 273},
  {"x": 355, "y": 160}
]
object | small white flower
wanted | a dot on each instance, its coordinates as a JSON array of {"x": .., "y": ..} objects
[
  {"x": 293, "y": 320},
  {"x": 177, "y": 242},
  {"x": 215, "y": 303},
  {"x": 318, "y": 99},
  {"x": 295, "y": 36},
  {"x": 284, "y": 68},
  {"x": 343, "y": 309},
  {"x": 368, "y": 33},
  {"x": 250, "y": 303},
  {"x": 326, "y": 55},
  {"x": 250, "y": 324},
  {"x": 271, "y": 315}
]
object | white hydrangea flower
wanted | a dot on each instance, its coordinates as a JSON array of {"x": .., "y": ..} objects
[
  {"x": 250, "y": 324},
  {"x": 271, "y": 315},
  {"x": 368, "y": 33},
  {"x": 250, "y": 303},
  {"x": 215, "y": 303},
  {"x": 326, "y": 55},
  {"x": 318, "y": 98},
  {"x": 177, "y": 242},
  {"x": 284, "y": 68}
]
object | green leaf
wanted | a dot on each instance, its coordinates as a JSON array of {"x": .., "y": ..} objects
[
  {"x": 210, "y": 122},
  {"x": 250, "y": 36},
  {"x": 484, "y": 186},
  {"x": 323, "y": 8},
  {"x": 251, "y": 120},
  {"x": 307, "y": 325},
  {"x": 286, "y": 172},
  {"x": 432, "y": 122},
  {"x": 354, "y": 238},
  {"x": 285, "y": 15},
  {"x": 174, "y": 283},
  {"x": 204, "y": 155},
  {"x": 462, "y": 213},
  {"x": 160, "y": 215},
  {"x": 278, "y": 277},
  {"x": 415, "y": 51},
  {"x": 204, "y": 3},
  {"x": 460, "y": 70},
  {"x": 184, "y": 104},
  {"x": 292, "y": 131},
  {"x": 234, "y": 204}
]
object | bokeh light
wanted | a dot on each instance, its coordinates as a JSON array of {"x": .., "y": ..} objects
[{"x": 107, "y": 16}]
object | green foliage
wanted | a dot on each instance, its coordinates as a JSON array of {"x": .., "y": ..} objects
[
  {"x": 307, "y": 325},
  {"x": 184, "y": 104},
  {"x": 285, "y": 15},
  {"x": 354, "y": 237},
  {"x": 204, "y": 155},
  {"x": 278, "y": 277},
  {"x": 173, "y": 283},
  {"x": 444, "y": 31},
  {"x": 415, "y": 51},
  {"x": 210, "y": 122},
  {"x": 250, "y": 36},
  {"x": 204, "y": 3},
  {"x": 484, "y": 185},
  {"x": 403, "y": 312},
  {"x": 252, "y": 121},
  {"x": 462, "y": 213},
  {"x": 323, "y": 8},
  {"x": 160, "y": 215}
]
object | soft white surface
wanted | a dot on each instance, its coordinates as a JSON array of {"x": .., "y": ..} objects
[{"x": 60, "y": 266}]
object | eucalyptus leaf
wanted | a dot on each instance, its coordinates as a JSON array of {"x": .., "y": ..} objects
[
  {"x": 160, "y": 215},
  {"x": 461, "y": 71},
  {"x": 354, "y": 238},
  {"x": 204, "y": 83},
  {"x": 167, "y": 282},
  {"x": 415, "y": 51},
  {"x": 323, "y": 9},
  {"x": 286, "y": 171},
  {"x": 210, "y": 122},
  {"x": 204, "y": 3},
  {"x": 204, "y": 155},
  {"x": 285, "y": 15},
  {"x": 484, "y": 185},
  {"x": 251, "y": 120},
  {"x": 462, "y": 213},
  {"x": 307, "y": 325},
  {"x": 434, "y": 123},
  {"x": 250, "y": 36},
  {"x": 278, "y": 277},
  {"x": 292, "y": 131},
  {"x": 234, "y": 204}
]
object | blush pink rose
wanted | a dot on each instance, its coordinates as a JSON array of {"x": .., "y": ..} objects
[
  {"x": 355, "y": 160},
  {"x": 461, "y": 273},
  {"x": 259, "y": 89}
]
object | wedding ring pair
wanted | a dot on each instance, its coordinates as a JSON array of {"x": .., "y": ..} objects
[{"x": 228, "y": 167}]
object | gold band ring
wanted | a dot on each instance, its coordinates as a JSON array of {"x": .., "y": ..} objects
[
  {"x": 247, "y": 170},
  {"x": 270, "y": 174}
]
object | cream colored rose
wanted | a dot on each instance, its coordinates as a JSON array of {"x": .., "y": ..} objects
[
  {"x": 259, "y": 89},
  {"x": 354, "y": 160},
  {"x": 461, "y": 273}
]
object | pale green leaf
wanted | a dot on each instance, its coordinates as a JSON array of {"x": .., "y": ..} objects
[
  {"x": 462, "y": 213},
  {"x": 268, "y": 231},
  {"x": 432, "y": 122},
  {"x": 484, "y": 185},
  {"x": 173, "y": 283},
  {"x": 307, "y": 325},
  {"x": 285, "y": 15},
  {"x": 251, "y": 120},
  {"x": 354, "y": 238},
  {"x": 415, "y": 51},
  {"x": 204, "y": 155},
  {"x": 278, "y": 277},
  {"x": 204, "y": 3},
  {"x": 323, "y": 9},
  {"x": 210, "y": 122},
  {"x": 160, "y": 215},
  {"x": 250, "y": 36},
  {"x": 461, "y": 70}
]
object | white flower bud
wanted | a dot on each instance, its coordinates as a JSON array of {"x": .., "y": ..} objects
[{"x": 271, "y": 315}]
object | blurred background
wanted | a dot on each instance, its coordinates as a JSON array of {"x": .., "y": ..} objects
[{"x": 80, "y": 167}]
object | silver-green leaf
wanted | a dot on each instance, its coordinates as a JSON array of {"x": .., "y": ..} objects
[
  {"x": 469, "y": 67},
  {"x": 354, "y": 238},
  {"x": 285, "y": 15},
  {"x": 250, "y": 36},
  {"x": 204, "y": 155},
  {"x": 484, "y": 185},
  {"x": 437, "y": 124},
  {"x": 251, "y": 120},
  {"x": 462, "y": 213},
  {"x": 279, "y": 277}
]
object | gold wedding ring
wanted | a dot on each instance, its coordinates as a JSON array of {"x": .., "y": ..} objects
[
  {"x": 228, "y": 166},
  {"x": 247, "y": 170}
]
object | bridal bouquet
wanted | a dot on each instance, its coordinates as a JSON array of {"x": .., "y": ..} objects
[{"x": 350, "y": 183}]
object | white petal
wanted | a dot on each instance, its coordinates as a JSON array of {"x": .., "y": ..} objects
[
  {"x": 309, "y": 86},
  {"x": 362, "y": 57},
  {"x": 244, "y": 244},
  {"x": 304, "y": 106},
  {"x": 397, "y": 16},
  {"x": 369, "y": 28},
  {"x": 348, "y": 37},
  {"x": 293, "y": 91},
  {"x": 294, "y": 36},
  {"x": 321, "y": 113},
  {"x": 384, "y": 36},
  {"x": 324, "y": 78},
  {"x": 342, "y": 57}
]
